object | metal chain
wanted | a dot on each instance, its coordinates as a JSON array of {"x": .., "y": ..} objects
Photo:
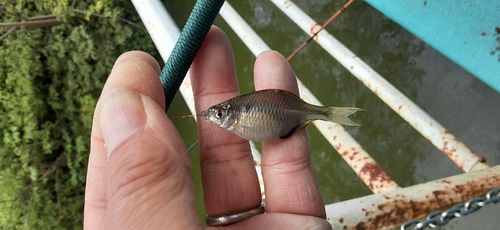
[{"x": 439, "y": 218}]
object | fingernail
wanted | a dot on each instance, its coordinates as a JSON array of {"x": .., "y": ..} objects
[
  {"x": 324, "y": 225},
  {"x": 138, "y": 55},
  {"x": 122, "y": 115},
  {"x": 318, "y": 224},
  {"x": 122, "y": 59}
]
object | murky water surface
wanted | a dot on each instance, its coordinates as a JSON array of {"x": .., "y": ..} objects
[{"x": 464, "y": 105}]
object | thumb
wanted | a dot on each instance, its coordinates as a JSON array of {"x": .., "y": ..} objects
[{"x": 148, "y": 180}]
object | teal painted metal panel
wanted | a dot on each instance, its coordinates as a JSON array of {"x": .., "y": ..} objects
[{"x": 466, "y": 31}]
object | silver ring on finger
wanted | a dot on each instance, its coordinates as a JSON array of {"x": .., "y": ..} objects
[{"x": 234, "y": 218}]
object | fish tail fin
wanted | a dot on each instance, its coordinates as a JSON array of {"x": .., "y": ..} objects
[{"x": 340, "y": 115}]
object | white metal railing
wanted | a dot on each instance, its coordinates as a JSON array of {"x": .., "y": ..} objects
[
  {"x": 462, "y": 156},
  {"x": 381, "y": 208},
  {"x": 393, "y": 208}
]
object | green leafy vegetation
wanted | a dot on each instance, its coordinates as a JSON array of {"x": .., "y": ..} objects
[{"x": 54, "y": 59}]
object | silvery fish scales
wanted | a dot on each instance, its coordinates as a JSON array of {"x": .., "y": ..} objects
[{"x": 267, "y": 115}]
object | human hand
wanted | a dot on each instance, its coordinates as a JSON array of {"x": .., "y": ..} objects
[{"x": 146, "y": 181}]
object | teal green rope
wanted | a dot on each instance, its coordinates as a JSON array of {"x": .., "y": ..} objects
[{"x": 194, "y": 32}]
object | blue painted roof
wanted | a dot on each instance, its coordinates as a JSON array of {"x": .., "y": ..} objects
[{"x": 466, "y": 31}]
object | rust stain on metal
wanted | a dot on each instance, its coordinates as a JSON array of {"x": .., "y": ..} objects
[
  {"x": 445, "y": 149},
  {"x": 390, "y": 212},
  {"x": 288, "y": 4},
  {"x": 314, "y": 29},
  {"x": 451, "y": 147},
  {"x": 482, "y": 159},
  {"x": 366, "y": 168},
  {"x": 349, "y": 154},
  {"x": 420, "y": 200},
  {"x": 450, "y": 150},
  {"x": 376, "y": 176}
]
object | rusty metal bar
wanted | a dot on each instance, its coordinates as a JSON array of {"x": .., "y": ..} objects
[
  {"x": 460, "y": 154},
  {"x": 393, "y": 208},
  {"x": 359, "y": 160}
]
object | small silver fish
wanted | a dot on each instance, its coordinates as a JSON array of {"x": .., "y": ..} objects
[{"x": 267, "y": 115}]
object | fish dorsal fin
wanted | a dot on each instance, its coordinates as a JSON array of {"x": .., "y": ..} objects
[
  {"x": 286, "y": 92},
  {"x": 296, "y": 129}
]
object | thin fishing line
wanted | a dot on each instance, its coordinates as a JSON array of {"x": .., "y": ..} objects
[{"x": 320, "y": 29}]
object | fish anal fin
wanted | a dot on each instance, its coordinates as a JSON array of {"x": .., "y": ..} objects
[{"x": 296, "y": 129}]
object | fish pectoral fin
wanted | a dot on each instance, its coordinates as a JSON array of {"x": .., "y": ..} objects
[{"x": 296, "y": 129}]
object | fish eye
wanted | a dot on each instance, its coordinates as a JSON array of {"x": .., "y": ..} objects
[{"x": 219, "y": 114}]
